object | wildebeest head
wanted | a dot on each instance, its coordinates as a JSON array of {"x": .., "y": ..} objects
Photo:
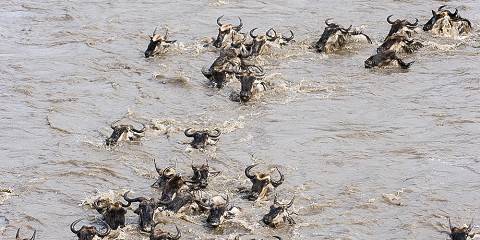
[
  {"x": 261, "y": 183},
  {"x": 88, "y": 232},
  {"x": 386, "y": 58},
  {"x": 278, "y": 214},
  {"x": 157, "y": 41},
  {"x": 163, "y": 176},
  {"x": 227, "y": 63},
  {"x": 200, "y": 176},
  {"x": 399, "y": 44},
  {"x": 158, "y": 234},
  {"x": 217, "y": 208},
  {"x": 225, "y": 30},
  {"x": 250, "y": 82},
  {"x": 281, "y": 39},
  {"x": 124, "y": 132},
  {"x": 401, "y": 27},
  {"x": 202, "y": 138},
  {"x": 146, "y": 209},
  {"x": 333, "y": 37},
  {"x": 172, "y": 187},
  {"x": 461, "y": 233},
  {"x": 17, "y": 236},
  {"x": 113, "y": 213},
  {"x": 443, "y": 20},
  {"x": 259, "y": 41}
]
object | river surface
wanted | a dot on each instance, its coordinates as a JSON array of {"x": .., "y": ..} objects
[{"x": 369, "y": 154}]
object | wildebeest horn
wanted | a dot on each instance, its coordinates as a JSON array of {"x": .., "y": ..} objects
[
  {"x": 159, "y": 170},
  {"x": 441, "y": 7},
  {"x": 280, "y": 181},
  {"x": 106, "y": 232},
  {"x": 17, "y": 236},
  {"x": 130, "y": 200},
  {"x": 289, "y": 38},
  {"x": 452, "y": 15},
  {"x": 216, "y": 131},
  {"x": 251, "y": 33},
  {"x": 188, "y": 133},
  {"x": 179, "y": 234},
  {"x": 141, "y": 130},
  {"x": 218, "y": 21},
  {"x": 390, "y": 21},
  {"x": 248, "y": 169},
  {"x": 270, "y": 35},
  {"x": 72, "y": 226},
  {"x": 239, "y": 26},
  {"x": 154, "y": 31},
  {"x": 277, "y": 237},
  {"x": 327, "y": 22},
  {"x": 413, "y": 24}
]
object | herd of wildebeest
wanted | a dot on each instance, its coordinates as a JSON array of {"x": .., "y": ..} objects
[{"x": 237, "y": 61}]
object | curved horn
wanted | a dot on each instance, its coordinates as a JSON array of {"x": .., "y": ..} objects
[
  {"x": 141, "y": 130},
  {"x": 188, "y": 133},
  {"x": 102, "y": 235},
  {"x": 33, "y": 236},
  {"x": 72, "y": 226},
  {"x": 289, "y": 205},
  {"x": 289, "y": 38},
  {"x": 251, "y": 33},
  {"x": 274, "y": 34},
  {"x": 388, "y": 19},
  {"x": 277, "y": 237},
  {"x": 280, "y": 181},
  {"x": 216, "y": 131},
  {"x": 17, "y": 236},
  {"x": 441, "y": 7},
  {"x": 218, "y": 21},
  {"x": 327, "y": 22},
  {"x": 248, "y": 169},
  {"x": 154, "y": 31},
  {"x": 414, "y": 24},
  {"x": 239, "y": 26},
  {"x": 178, "y": 236},
  {"x": 130, "y": 200}
]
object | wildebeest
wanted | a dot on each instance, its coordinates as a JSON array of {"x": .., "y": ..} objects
[
  {"x": 157, "y": 43},
  {"x": 180, "y": 203},
  {"x": 113, "y": 213},
  {"x": 173, "y": 186},
  {"x": 401, "y": 27},
  {"x": 259, "y": 41},
  {"x": 444, "y": 22},
  {"x": 251, "y": 83},
  {"x": 386, "y": 58},
  {"x": 158, "y": 234},
  {"x": 399, "y": 44},
  {"x": 226, "y": 64},
  {"x": 278, "y": 214},
  {"x": 218, "y": 210},
  {"x": 226, "y": 31},
  {"x": 89, "y": 232},
  {"x": 146, "y": 209},
  {"x": 202, "y": 138},
  {"x": 17, "y": 236},
  {"x": 335, "y": 37},
  {"x": 163, "y": 176},
  {"x": 460, "y": 233},
  {"x": 200, "y": 176},
  {"x": 124, "y": 132},
  {"x": 262, "y": 183},
  {"x": 281, "y": 39}
]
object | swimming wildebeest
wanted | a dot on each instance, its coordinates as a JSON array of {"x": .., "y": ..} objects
[
  {"x": 444, "y": 22},
  {"x": 251, "y": 82},
  {"x": 172, "y": 187},
  {"x": 460, "y": 233},
  {"x": 158, "y": 234},
  {"x": 226, "y": 31},
  {"x": 278, "y": 214},
  {"x": 387, "y": 58},
  {"x": 399, "y": 44},
  {"x": 89, "y": 232},
  {"x": 202, "y": 138},
  {"x": 17, "y": 236},
  {"x": 280, "y": 39},
  {"x": 124, "y": 132},
  {"x": 200, "y": 176},
  {"x": 146, "y": 209},
  {"x": 113, "y": 213},
  {"x": 180, "y": 203},
  {"x": 401, "y": 27},
  {"x": 163, "y": 176},
  {"x": 218, "y": 210},
  {"x": 335, "y": 37},
  {"x": 259, "y": 41},
  {"x": 226, "y": 64},
  {"x": 262, "y": 183},
  {"x": 157, "y": 43}
]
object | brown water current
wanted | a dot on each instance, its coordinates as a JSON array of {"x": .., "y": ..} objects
[{"x": 369, "y": 154}]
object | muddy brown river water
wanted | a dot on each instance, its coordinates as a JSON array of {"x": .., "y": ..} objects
[{"x": 369, "y": 154}]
